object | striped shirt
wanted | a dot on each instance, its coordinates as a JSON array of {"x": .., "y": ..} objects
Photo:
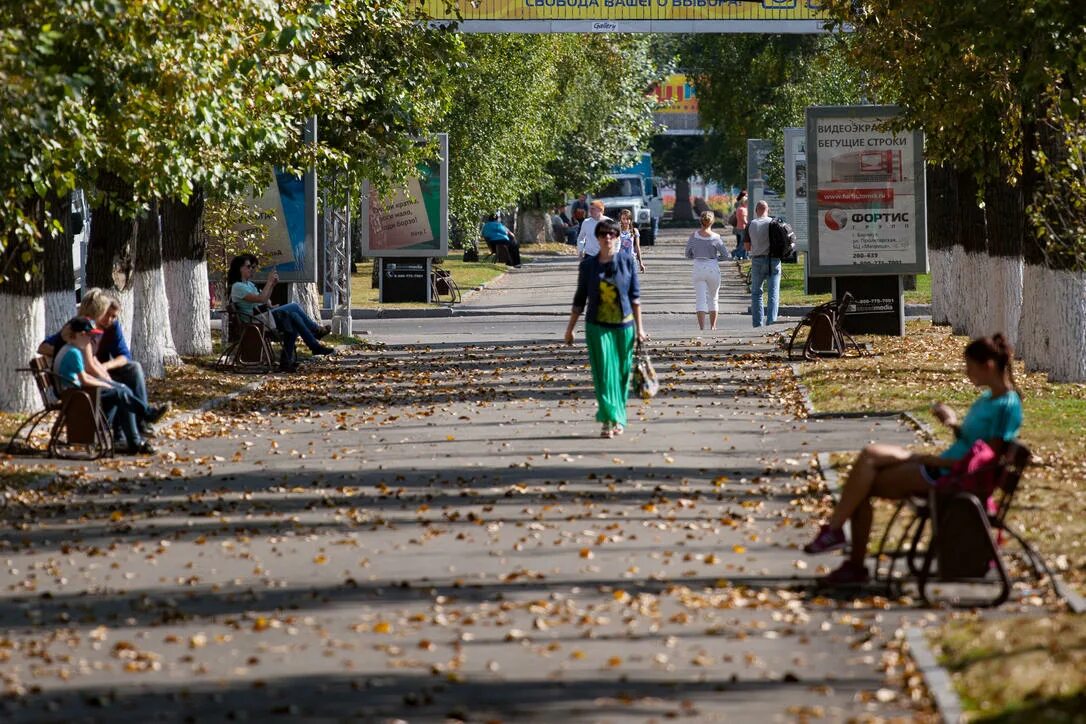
[{"x": 705, "y": 247}]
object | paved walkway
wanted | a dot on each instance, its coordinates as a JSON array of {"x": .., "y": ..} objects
[{"x": 432, "y": 530}]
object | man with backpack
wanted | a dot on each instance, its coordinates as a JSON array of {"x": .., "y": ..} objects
[{"x": 764, "y": 269}]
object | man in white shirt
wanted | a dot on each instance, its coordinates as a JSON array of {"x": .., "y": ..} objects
[
  {"x": 763, "y": 268},
  {"x": 587, "y": 243}
]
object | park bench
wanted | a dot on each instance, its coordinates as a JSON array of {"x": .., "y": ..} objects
[
  {"x": 953, "y": 539},
  {"x": 81, "y": 429},
  {"x": 247, "y": 343},
  {"x": 826, "y": 335}
]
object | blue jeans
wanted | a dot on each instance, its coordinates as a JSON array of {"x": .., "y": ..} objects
[
  {"x": 293, "y": 322},
  {"x": 762, "y": 270},
  {"x": 131, "y": 375},
  {"x": 124, "y": 411},
  {"x": 740, "y": 250}
]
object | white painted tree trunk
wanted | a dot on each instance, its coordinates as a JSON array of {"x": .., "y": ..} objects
[
  {"x": 190, "y": 305},
  {"x": 127, "y": 299},
  {"x": 533, "y": 226},
  {"x": 59, "y": 308},
  {"x": 1006, "y": 296},
  {"x": 955, "y": 289},
  {"x": 23, "y": 320},
  {"x": 1052, "y": 334},
  {"x": 941, "y": 262},
  {"x": 152, "y": 340},
  {"x": 308, "y": 298}
]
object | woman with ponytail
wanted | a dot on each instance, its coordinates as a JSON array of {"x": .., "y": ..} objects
[{"x": 890, "y": 471}]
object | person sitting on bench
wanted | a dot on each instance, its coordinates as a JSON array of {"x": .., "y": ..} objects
[
  {"x": 112, "y": 359},
  {"x": 890, "y": 471},
  {"x": 496, "y": 234},
  {"x": 290, "y": 319},
  {"x": 121, "y": 406}
]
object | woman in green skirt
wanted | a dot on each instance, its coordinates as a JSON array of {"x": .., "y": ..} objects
[{"x": 608, "y": 284}]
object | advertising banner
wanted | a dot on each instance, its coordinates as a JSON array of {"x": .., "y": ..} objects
[
  {"x": 414, "y": 222},
  {"x": 757, "y": 150},
  {"x": 632, "y": 16},
  {"x": 795, "y": 183},
  {"x": 867, "y": 209},
  {"x": 677, "y": 114},
  {"x": 287, "y": 231}
]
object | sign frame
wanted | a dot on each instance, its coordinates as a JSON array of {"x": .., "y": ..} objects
[
  {"x": 443, "y": 214},
  {"x": 861, "y": 117},
  {"x": 795, "y": 157}
]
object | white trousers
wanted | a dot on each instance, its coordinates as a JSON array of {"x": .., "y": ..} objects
[{"x": 706, "y": 278}]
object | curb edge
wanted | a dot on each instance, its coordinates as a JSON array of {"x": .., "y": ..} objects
[{"x": 936, "y": 678}]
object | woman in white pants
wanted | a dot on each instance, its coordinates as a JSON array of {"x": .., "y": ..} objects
[{"x": 706, "y": 247}]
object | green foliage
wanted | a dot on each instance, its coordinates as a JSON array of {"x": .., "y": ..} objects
[
  {"x": 755, "y": 86},
  {"x": 534, "y": 117}
]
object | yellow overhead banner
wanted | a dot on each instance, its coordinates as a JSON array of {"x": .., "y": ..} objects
[{"x": 715, "y": 16}]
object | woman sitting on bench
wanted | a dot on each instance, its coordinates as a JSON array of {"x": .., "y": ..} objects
[
  {"x": 890, "y": 471},
  {"x": 121, "y": 406}
]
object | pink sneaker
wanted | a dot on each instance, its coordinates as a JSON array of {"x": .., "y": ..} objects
[
  {"x": 827, "y": 540},
  {"x": 847, "y": 574}
]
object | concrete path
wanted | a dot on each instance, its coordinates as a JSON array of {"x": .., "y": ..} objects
[{"x": 432, "y": 530}]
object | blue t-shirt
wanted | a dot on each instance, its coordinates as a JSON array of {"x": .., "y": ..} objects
[
  {"x": 238, "y": 292},
  {"x": 110, "y": 345},
  {"x": 496, "y": 231},
  {"x": 990, "y": 418},
  {"x": 68, "y": 365}
]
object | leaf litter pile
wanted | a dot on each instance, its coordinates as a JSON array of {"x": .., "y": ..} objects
[{"x": 426, "y": 533}]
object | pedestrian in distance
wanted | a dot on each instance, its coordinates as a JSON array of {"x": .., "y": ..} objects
[
  {"x": 765, "y": 271},
  {"x": 740, "y": 225},
  {"x": 629, "y": 239},
  {"x": 890, "y": 471},
  {"x": 587, "y": 243},
  {"x": 706, "y": 248},
  {"x": 291, "y": 321},
  {"x": 609, "y": 295},
  {"x": 495, "y": 233}
]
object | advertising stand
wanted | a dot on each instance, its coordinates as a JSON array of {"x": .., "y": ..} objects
[
  {"x": 406, "y": 231},
  {"x": 866, "y": 211}
]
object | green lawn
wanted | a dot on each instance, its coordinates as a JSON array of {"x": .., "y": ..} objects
[
  {"x": 792, "y": 287},
  {"x": 467, "y": 275}
]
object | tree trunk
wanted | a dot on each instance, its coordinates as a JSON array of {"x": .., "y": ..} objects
[
  {"x": 971, "y": 294},
  {"x": 682, "y": 211},
  {"x": 22, "y": 317},
  {"x": 112, "y": 240},
  {"x": 184, "y": 264},
  {"x": 308, "y": 297},
  {"x": 59, "y": 272},
  {"x": 1006, "y": 211},
  {"x": 942, "y": 236},
  {"x": 533, "y": 226},
  {"x": 1053, "y": 324},
  {"x": 152, "y": 339}
]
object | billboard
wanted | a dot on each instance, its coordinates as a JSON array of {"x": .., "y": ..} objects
[
  {"x": 415, "y": 220},
  {"x": 795, "y": 183},
  {"x": 757, "y": 151},
  {"x": 631, "y": 16},
  {"x": 867, "y": 209},
  {"x": 287, "y": 230},
  {"x": 678, "y": 109}
]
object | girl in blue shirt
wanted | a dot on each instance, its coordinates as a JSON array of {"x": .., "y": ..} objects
[{"x": 890, "y": 471}]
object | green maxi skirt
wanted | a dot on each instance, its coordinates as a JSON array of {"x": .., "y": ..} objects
[{"x": 610, "y": 354}]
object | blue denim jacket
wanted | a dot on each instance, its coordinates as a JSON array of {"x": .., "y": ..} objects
[{"x": 609, "y": 289}]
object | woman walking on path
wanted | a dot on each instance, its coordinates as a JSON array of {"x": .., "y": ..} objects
[
  {"x": 608, "y": 284},
  {"x": 705, "y": 247},
  {"x": 629, "y": 238},
  {"x": 740, "y": 225},
  {"x": 889, "y": 471}
]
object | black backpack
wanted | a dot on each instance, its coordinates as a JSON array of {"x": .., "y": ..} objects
[{"x": 782, "y": 240}]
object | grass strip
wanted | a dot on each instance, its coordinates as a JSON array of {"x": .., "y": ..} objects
[{"x": 792, "y": 285}]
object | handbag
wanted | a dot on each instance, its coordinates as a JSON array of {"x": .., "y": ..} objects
[
  {"x": 644, "y": 376},
  {"x": 977, "y": 472},
  {"x": 266, "y": 318}
]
